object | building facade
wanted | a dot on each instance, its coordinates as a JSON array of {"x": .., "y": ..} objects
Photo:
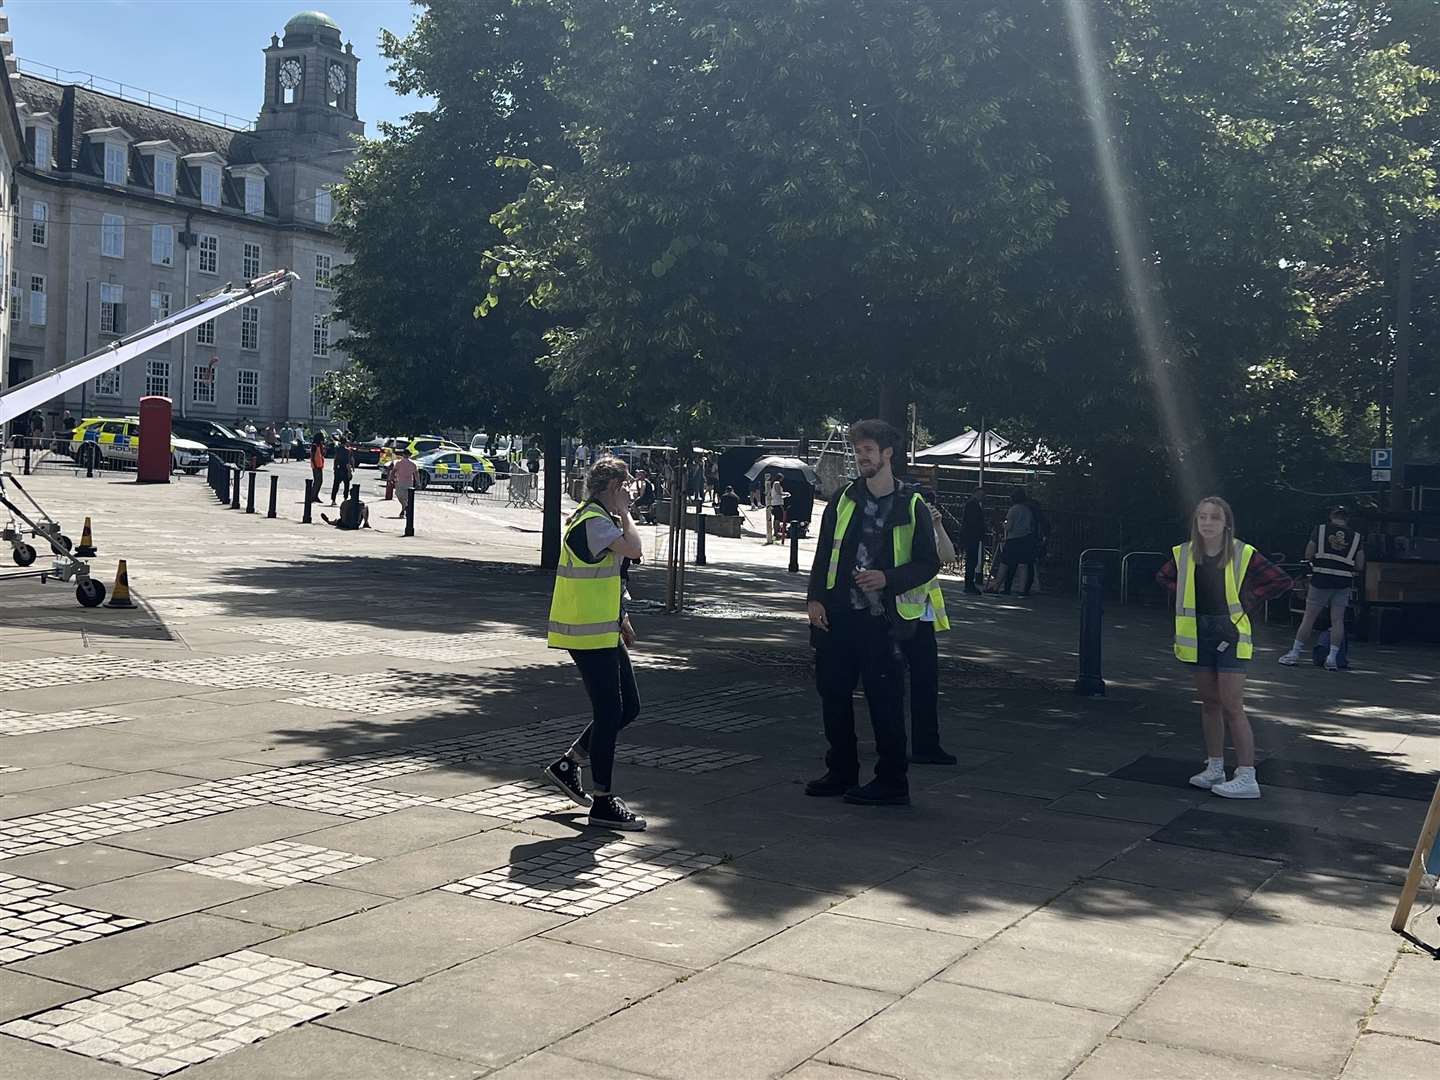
[
  {"x": 12, "y": 154},
  {"x": 127, "y": 212}
]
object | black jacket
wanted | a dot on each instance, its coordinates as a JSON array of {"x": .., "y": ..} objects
[
  {"x": 924, "y": 562},
  {"x": 972, "y": 521}
]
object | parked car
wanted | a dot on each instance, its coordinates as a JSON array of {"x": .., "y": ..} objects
[
  {"x": 418, "y": 445},
  {"x": 457, "y": 469},
  {"x": 367, "y": 453},
  {"x": 218, "y": 436},
  {"x": 100, "y": 439}
]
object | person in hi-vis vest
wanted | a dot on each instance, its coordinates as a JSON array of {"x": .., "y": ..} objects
[
  {"x": 587, "y": 617},
  {"x": 1217, "y": 580},
  {"x": 1336, "y": 555}
]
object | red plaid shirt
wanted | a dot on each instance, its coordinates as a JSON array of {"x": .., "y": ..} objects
[{"x": 1263, "y": 581}]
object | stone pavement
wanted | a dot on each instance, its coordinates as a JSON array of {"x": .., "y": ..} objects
[{"x": 281, "y": 821}]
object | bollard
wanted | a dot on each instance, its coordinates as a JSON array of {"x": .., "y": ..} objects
[
  {"x": 235, "y": 490},
  {"x": 27, "y": 459},
  {"x": 700, "y": 538},
  {"x": 250, "y": 496},
  {"x": 89, "y": 466},
  {"x": 410, "y": 513},
  {"x": 274, "y": 493},
  {"x": 794, "y": 551},
  {"x": 1092, "y": 610},
  {"x": 305, "y": 518}
]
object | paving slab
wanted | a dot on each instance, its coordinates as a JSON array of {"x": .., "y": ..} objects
[
  {"x": 21, "y": 994},
  {"x": 48, "y": 776},
  {"x": 1363, "y": 957},
  {"x": 84, "y": 864},
  {"x": 730, "y": 1023},
  {"x": 410, "y": 829},
  {"x": 696, "y": 922},
  {"x": 1308, "y": 1024},
  {"x": 1077, "y": 829},
  {"x": 929, "y": 900},
  {"x": 1301, "y": 896},
  {"x": 21, "y": 1059},
  {"x": 419, "y": 871},
  {"x": 158, "y": 894},
  {"x": 1385, "y": 1057},
  {"x": 1168, "y": 867},
  {"x": 1139, "y": 808},
  {"x": 968, "y": 1034},
  {"x": 824, "y": 864},
  {"x": 230, "y": 831},
  {"x": 299, "y": 907},
  {"x": 410, "y": 938},
  {"x": 857, "y": 952},
  {"x": 512, "y": 1002},
  {"x": 320, "y": 1053},
  {"x": 1125, "y": 1059},
  {"x": 1028, "y": 862},
  {"x": 1409, "y": 1004},
  {"x": 1125, "y": 903},
  {"x": 550, "y": 1066},
  {"x": 86, "y": 791},
  {"x": 819, "y": 1070},
  {"x": 148, "y": 950}
]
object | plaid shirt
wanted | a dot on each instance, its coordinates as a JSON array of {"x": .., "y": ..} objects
[{"x": 1263, "y": 581}]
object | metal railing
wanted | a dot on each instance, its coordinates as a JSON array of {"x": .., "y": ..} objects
[
  {"x": 1080, "y": 565},
  {"x": 138, "y": 95},
  {"x": 1125, "y": 570}
]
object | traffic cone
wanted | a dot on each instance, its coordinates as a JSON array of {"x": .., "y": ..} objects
[
  {"x": 86, "y": 550},
  {"x": 120, "y": 594}
]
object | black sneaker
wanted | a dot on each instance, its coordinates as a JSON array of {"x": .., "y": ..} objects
[
  {"x": 937, "y": 756},
  {"x": 831, "y": 784},
  {"x": 610, "y": 812},
  {"x": 876, "y": 793},
  {"x": 565, "y": 775}
]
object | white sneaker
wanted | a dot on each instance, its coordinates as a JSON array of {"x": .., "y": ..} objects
[
  {"x": 1331, "y": 664},
  {"x": 1290, "y": 659},
  {"x": 1244, "y": 786},
  {"x": 1213, "y": 774}
]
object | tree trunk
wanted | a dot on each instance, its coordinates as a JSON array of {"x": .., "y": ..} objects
[
  {"x": 1400, "y": 404},
  {"x": 554, "y": 484},
  {"x": 893, "y": 407}
]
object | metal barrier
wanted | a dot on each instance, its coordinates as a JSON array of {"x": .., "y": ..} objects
[
  {"x": 1080, "y": 566},
  {"x": 1125, "y": 571}
]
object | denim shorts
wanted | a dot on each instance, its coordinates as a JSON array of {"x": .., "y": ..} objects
[
  {"x": 1337, "y": 600},
  {"x": 1209, "y": 654}
]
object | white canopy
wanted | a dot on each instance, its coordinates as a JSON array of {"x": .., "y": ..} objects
[{"x": 965, "y": 449}]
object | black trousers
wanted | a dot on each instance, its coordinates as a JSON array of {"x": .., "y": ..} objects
[
  {"x": 318, "y": 483},
  {"x": 922, "y": 657},
  {"x": 972, "y": 564},
  {"x": 615, "y": 701},
  {"x": 340, "y": 483},
  {"x": 858, "y": 648},
  {"x": 1018, "y": 553}
]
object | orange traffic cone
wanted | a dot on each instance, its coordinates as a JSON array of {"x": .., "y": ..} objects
[
  {"x": 120, "y": 595},
  {"x": 86, "y": 550}
]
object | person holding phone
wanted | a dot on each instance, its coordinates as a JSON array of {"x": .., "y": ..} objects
[{"x": 588, "y": 618}]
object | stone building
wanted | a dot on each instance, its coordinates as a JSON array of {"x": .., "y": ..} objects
[
  {"x": 12, "y": 153},
  {"x": 126, "y": 210}
]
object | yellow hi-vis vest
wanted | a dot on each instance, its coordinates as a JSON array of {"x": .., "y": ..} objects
[
  {"x": 910, "y": 605},
  {"x": 1187, "y": 634},
  {"x": 585, "y": 608}
]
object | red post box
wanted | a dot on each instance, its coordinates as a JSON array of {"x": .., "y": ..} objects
[{"x": 154, "y": 464}]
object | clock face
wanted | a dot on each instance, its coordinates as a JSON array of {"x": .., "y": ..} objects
[
  {"x": 290, "y": 73},
  {"x": 337, "y": 79}
]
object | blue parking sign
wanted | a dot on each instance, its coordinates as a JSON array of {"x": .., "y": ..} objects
[{"x": 1380, "y": 459}]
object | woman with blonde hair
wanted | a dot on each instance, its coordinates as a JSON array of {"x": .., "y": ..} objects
[{"x": 1217, "y": 581}]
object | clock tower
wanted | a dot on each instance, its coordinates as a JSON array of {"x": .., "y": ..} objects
[{"x": 309, "y": 84}]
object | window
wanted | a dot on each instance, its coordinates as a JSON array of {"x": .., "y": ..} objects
[
  {"x": 37, "y": 299},
  {"x": 324, "y": 206},
  {"x": 112, "y": 308},
  {"x": 209, "y": 253},
  {"x": 250, "y": 328},
  {"x": 247, "y": 389},
  {"x": 210, "y": 185},
  {"x": 14, "y": 296},
  {"x": 202, "y": 388},
  {"x": 162, "y": 245},
  {"x": 42, "y": 147},
  {"x": 322, "y": 335},
  {"x": 164, "y": 174},
  {"x": 115, "y": 163},
  {"x": 159, "y": 305},
  {"x": 39, "y": 223},
  {"x": 252, "y": 261},
  {"x": 205, "y": 333},
  {"x": 319, "y": 410},
  {"x": 107, "y": 384},
  {"x": 112, "y": 236},
  {"x": 157, "y": 378},
  {"x": 254, "y": 194},
  {"x": 322, "y": 271}
]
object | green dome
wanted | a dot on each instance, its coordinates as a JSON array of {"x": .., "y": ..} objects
[{"x": 312, "y": 20}]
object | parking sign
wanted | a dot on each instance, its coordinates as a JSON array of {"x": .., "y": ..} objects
[{"x": 1380, "y": 459}]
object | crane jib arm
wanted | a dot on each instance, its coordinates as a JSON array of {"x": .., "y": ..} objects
[{"x": 31, "y": 394}]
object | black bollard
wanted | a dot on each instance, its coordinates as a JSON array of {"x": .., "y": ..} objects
[
  {"x": 235, "y": 490},
  {"x": 794, "y": 551},
  {"x": 1092, "y": 609},
  {"x": 410, "y": 514},
  {"x": 27, "y": 459},
  {"x": 700, "y": 538},
  {"x": 250, "y": 496},
  {"x": 305, "y": 518},
  {"x": 274, "y": 494},
  {"x": 89, "y": 465}
]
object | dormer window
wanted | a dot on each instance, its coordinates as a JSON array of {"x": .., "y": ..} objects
[
  {"x": 324, "y": 206},
  {"x": 210, "y": 185},
  {"x": 115, "y": 164},
  {"x": 114, "y": 153},
  {"x": 161, "y": 156},
  {"x": 44, "y": 146},
  {"x": 205, "y": 176},
  {"x": 252, "y": 177}
]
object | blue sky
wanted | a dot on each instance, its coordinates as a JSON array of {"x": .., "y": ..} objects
[{"x": 203, "y": 51}]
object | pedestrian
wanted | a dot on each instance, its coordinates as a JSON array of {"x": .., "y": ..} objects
[
  {"x": 404, "y": 472},
  {"x": 343, "y": 468},
  {"x": 1218, "y": 580},
  {"x": 775, "y": 497},
  {"x": 729, "y": 503},
  {"x": 287, "y": 443},
  {"x": 1336, "y": 556},
  {"x": 875, "y": 560},
  {"x": 354, "y": 514},
  {"x": 922, "y": 656},
  {"x": 297, "y": 448},
  {"x": 757, "y": 494},
  {"x": 317, "y": 466},
  {"x": 972, "y": 537},
  {"x": 1021, "y": 542},
  {"x": 644, "y": 492},
  {"x": 588, "y": 618}
]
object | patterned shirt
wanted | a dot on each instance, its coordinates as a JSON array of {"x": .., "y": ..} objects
[{"x": 1263, "y": 581}]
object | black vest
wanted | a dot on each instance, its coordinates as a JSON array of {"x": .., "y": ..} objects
[{"x": 1335, "y": 550}]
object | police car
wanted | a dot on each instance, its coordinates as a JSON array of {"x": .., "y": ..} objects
[
  {"x": 457, "y": 469},
  {"x": 418, "y": 445},
  {"x": 100, "y": 439}
]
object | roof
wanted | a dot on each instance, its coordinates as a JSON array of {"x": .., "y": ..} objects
[
  {"x": 309, "y": 19},
  {"x": 967, "y": 446}
]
